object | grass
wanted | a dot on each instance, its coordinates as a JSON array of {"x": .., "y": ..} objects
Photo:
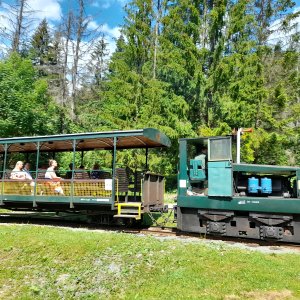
[
  {"x": 38, "y": 262},
  {"x": 170, "y": 197}
]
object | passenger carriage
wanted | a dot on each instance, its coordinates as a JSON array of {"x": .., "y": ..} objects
[{"x": 118, "y": 192}]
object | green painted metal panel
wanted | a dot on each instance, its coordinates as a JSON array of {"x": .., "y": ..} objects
[
  {"x": 196, "y": 173},
  {"x": 58, "y": 199},
  {"x": 114, "y": 170},
  {"x": 157, "y": 136},
  {"x": 183, "y": 181},
  {"x": 264, "y": 169},
  {"x": 253, "y": 204},
  {"x": 220, "y": 179},
  {"x": 298, "y": 183},
  {"x": 93, "y": 200}
]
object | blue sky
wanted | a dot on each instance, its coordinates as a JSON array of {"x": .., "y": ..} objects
[
  {"x": 107, "y": 13},
  {"x": 110, "y": 11}
]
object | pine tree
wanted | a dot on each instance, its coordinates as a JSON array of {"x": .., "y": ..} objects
[
  {"x": 99, "y": 62},
  {"x": 191, "y": 44},
  {"x": 41, "y": 45},
  {"x": 132, "y": 98}
]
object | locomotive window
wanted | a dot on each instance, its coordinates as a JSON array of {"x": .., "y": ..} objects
[{"x": 219, "y": 149}]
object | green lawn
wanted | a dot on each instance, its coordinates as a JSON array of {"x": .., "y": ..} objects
[{"x": 39, "y": 262}]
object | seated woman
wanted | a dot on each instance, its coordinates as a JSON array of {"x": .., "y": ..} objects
[
  {"x": 50, "y": 174},
  {"x": 17, "y": 172}
]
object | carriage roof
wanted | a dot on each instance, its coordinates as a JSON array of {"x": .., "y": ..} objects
[{"x": 125, "y": 139}]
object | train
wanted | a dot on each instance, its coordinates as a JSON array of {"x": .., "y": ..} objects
[{"x": 215, "y": 194}]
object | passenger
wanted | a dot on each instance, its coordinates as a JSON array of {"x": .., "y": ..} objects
[
  {"x": 82, "y": 173},
  {"x": 26, "y": 169},
  {"x": 17, "y": 172},
  {"x": 96, "y": 173},
  {"x": 69, "y": 173},
  {"x": 50, "y": 174}
]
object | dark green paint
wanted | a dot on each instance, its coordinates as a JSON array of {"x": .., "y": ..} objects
[
  {"x": 58, "y": 199},
  {"x": 4, "y": 168},
  {"x": 220, "y": 186},
  {"x": 220, "y": 179},
  {"x": 254, "y": 204},
  {"x": 265, "y": 169}
]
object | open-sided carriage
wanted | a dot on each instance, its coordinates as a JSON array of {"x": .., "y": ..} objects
[{"x": 118, "y": 192}]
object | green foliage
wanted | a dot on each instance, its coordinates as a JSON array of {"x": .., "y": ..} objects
[
  {"x": 187, "y": 67},
  {"x": 25, "y": 106},
  {"x": 43, "y": 49}
]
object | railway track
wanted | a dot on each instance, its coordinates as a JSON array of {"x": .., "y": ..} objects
[{"x": 76, "y": 221}]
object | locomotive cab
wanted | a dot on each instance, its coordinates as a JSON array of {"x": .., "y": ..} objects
[{"x": 209, "y": 166}]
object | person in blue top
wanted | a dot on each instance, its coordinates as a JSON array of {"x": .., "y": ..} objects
[
  {"x": 26, "y": 169},
  {"x": 95, "y": 174}
]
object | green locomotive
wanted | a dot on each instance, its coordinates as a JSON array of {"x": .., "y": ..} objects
[{"x": 220, "y": 197}]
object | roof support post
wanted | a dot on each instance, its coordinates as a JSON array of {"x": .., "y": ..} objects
[
  {"x": 238, "y": 145},
  {"x": 72, "y": 179},
  {"x": 36, "y": 172},
  {"x": 82, "y": 155},
  {"x": 146, "y": 158},
  {"x": 114, "y": 173},
  {"x": 3, "y": 174}
]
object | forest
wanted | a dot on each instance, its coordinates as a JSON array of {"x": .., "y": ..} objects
[{"x": 187, "y": 67}]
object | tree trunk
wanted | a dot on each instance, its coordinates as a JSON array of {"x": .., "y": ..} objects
[
  {"x": 19, "y": 23},
  {"x": 80, "y": 29}
]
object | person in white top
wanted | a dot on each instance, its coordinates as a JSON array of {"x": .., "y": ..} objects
[
  {"x": 50, "y": 174},
  {"x": 17, "y": 172}
]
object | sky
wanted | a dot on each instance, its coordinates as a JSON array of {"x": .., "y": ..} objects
[{"x": 107, "y": 13}]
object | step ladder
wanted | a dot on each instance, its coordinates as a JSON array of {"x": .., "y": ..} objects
[{"x": 129, "y": 210}]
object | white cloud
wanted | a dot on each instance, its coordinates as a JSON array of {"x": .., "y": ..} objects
[
  {"x": 110, "y": 36},
  {"x": 3, "y": 49},
  {"x": 279, "y": 35},
  {"x": 105, "y": 4},
  {"x": 4, "y": 22},
  {"x": 93, "y": 25},
  {"x": 49, "y": 9},
  {"x": 122, "y": 1},
  {"x": 110, "y": 33},
  {"x": 95, "y": 4}
]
